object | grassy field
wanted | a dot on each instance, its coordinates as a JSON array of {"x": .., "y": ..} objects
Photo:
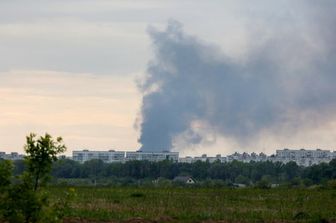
[{"x": 201, "y": 204}]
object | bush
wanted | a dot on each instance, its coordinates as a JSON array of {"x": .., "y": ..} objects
[
  {"x": 22, "y": 204},
  {"x": 264, "y": 183}
]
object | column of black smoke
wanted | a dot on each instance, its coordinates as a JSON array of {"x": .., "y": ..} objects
[{"x": 190, "y": 81}]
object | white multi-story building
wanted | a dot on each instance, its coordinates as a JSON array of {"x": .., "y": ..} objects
[
  {"x": 203, "y": 158},
  {"x": 187, "y": 159},
  {"x": 304, "y": 157},
  {"x": 152, "y": 156},
  {"x": 110, "y": 156},
  {"x": 217, "y": 158}
]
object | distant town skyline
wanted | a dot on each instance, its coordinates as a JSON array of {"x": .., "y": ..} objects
[
  {"x": 79, "y": 69},
  {"x": 303, "y": 157}
]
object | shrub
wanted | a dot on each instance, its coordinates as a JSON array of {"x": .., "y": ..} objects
[{"x": 332, "y": 184}]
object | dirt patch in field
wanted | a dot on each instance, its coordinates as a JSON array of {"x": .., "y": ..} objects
[{"x": 163, "y": 219}]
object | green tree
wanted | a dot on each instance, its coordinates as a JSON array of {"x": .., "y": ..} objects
[
  {"x": 292, "y": 170},
  {"x": 242, "y": 180},
  {"x": 41, "y": 153},
  {"x": 19, "y": 167},
  {"x": 265, "y": 182},
  {"x": 66, "y": 168},
  {"x": 24, "y": 201},
  {"x": 6, "y": 169}
]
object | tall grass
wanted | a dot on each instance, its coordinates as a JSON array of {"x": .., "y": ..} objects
[{"x": 198, "y": 204}]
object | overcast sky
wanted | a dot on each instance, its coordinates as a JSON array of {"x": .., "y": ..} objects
[{"x": 70, "y": 67}]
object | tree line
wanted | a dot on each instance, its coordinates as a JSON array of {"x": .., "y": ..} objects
[
  {"x": 231, "y": 172},
  {"x": 234, "y": 172}
]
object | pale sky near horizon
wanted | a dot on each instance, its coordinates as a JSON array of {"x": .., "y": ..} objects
[{"x": 70, "y": 67}]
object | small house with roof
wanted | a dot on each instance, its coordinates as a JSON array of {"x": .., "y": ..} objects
[{"x": 184, "y": 179}]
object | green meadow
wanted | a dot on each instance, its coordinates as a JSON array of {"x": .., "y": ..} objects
[{"x": 122, "y": 204}]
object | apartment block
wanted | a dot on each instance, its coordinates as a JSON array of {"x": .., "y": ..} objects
[
  {"x": 110, "y": 156},
  {"x": 152, "y": 156}
]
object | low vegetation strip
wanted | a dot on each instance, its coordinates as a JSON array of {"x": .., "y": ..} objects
[
  {"x": 160, "y": 192},
  {"x": 129, "y": 204}
]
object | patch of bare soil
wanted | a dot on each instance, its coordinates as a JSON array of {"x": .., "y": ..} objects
[
  {"x": 161, "y": 219},
  {"x": 80, "y": 220}
]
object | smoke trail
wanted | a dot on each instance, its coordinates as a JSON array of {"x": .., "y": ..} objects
[{"x": 193, "y": 90}]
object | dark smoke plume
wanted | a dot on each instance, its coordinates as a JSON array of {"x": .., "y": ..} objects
[{"x": 194, "y": 91}]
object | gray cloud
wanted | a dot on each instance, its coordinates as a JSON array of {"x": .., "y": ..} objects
[{"x": 287, "y": 79}]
